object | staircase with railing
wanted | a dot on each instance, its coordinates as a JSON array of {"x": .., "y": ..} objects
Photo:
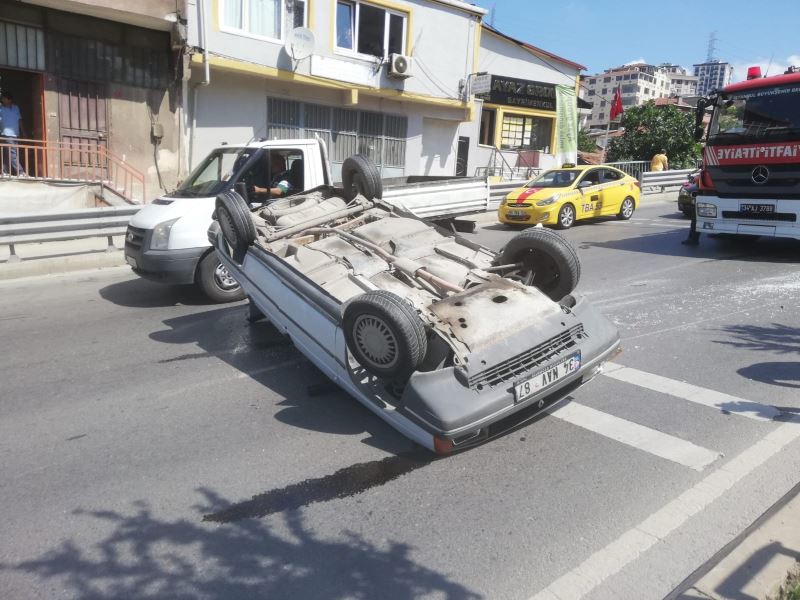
[
  {"x": 499, "y": 166},
  {"x": 82, "y": 162}
]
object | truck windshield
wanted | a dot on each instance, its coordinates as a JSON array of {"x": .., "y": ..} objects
[
  {"x": 554, "y": 179},
  {"x": 215, "y": 173},
  {"x": 769, "y": 113}
]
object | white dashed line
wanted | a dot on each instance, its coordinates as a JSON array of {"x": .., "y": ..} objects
[
  {"x": 692, "y": 393},
  {"x": 638, "y": 436},
  {"x": 610, "y": 560}
]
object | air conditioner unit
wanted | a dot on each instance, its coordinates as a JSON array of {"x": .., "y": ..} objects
[{"x": 400, "y": 66}]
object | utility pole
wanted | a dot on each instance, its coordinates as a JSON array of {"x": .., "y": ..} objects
[{"x": 492, "y": 13}]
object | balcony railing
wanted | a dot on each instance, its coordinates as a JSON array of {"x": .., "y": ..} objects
[{"x": 86, "y": 161}]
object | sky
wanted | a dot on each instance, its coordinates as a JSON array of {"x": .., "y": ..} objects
[{"x": 601, "y": 34}]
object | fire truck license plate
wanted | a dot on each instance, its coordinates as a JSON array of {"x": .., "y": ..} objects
[{"x": 756, "y": 208}]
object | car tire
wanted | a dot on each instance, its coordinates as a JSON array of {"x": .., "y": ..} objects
[
  {"x": 687, "y": 211},
  {"x": 626, "y": 209},
  {"x": 550, "y": 263},
  {"x": 566, "y": 216},
  {"x": 216, "y": 282},
  {"x": 361, "y": 176},
  {"x": 384, "y": 334},
  {"x": 236, "y": 224}
]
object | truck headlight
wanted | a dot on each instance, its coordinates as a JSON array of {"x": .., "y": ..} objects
[
  {"x": 704, "y": 209},
  {"x": 548, "y": 201},
  {"x": 160, "y": 238}
]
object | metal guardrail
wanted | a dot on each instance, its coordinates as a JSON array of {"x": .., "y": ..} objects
[
  {"x": 664, "y": 179},
  {"x": 71, "y": 161},
  {"x": 29, "y": 228},
  {"x": 498, "y": 191}
]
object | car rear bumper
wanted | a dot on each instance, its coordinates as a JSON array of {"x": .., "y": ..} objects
[{"x": 447, "y": 408}]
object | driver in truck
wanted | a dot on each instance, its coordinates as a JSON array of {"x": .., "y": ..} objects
[{"x": 280, "y": 181}]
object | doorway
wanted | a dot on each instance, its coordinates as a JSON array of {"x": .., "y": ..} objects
[
  {"x": 27, "y": 89},
  {"x": 462, "y": 157}
]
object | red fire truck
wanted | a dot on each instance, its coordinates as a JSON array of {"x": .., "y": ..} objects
[{"x": 750, "y": 180}]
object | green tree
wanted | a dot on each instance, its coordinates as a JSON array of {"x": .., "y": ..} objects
[
  {"x": 585, "y": 142},
  {"x": 649, "y": 128}
]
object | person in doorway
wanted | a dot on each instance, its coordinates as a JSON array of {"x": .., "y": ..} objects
[
  {"x": 11, "y": 129},
  {"x": 659, "y": 161}
]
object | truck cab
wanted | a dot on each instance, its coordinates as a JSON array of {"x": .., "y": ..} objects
[{"x": 167, "y": 240}]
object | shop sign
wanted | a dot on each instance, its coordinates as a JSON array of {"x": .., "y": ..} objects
[{"x": 522, "y": 92}]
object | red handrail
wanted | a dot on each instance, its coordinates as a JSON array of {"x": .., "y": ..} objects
[{"x": 72, "y": 161}]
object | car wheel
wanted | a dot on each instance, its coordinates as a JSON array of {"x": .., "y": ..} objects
[
  {"x": 384, "y": 334},
  {"x": 566, "y": 216},
  {"x": 688, "y": 211},
  {"x": 216, "y": 281},
  {"x": 236, "y": 224},
  {"x": 626, "y": 209},
  {"x": 543, "y": 259},
  {"x": 361, "y": 176}
]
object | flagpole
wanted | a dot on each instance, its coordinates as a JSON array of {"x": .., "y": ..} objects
[{"x": 605, "y": 146}]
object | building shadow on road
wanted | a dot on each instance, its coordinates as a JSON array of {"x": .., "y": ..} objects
[
  {"x": 259, "y": 351},
  {"x": 141, "y": 293},
  {"x": 142, "y": 555}
]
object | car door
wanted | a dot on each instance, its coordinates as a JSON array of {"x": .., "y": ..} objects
[
  {"x": 591, "y": 201},
  {"x": 613, "y": 191}
]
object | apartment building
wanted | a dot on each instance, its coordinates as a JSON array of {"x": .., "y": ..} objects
[
  {"x": 681, "y": 83},
  {"x": 380, "y": 78},
  {"x": 638, "y": 84},
  {"x": 713, "y": 75}
]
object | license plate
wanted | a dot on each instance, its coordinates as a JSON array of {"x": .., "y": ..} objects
[
  {"x": 756, "y": 208},
  {"x": 132, "y": 262},
  {"x": 516, "y": 213},
  {"x": 546, "y": 378}
]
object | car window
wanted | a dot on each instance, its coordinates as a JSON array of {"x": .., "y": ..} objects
[
  {"x": 610, "y": 175},
  {"x": 592, "y": 177},
  {"x": 555, "y": 179}
]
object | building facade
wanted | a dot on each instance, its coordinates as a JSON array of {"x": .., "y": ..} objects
[
  {"x": 638, "y": 84},
  {"x": 681, "y": 84},
  {"x": 517, "y": 117},
  {"x": 713, "y": 75},
  {"x": 99, "y": 86},
  {"x": 374, "y": 77}
]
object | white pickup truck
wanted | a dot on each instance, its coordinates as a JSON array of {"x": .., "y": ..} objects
[{"x": 167, "y": 240}]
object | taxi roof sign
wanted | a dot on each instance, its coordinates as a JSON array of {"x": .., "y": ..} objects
[{"x": 568, "y": 166}]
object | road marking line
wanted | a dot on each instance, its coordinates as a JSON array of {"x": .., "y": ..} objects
[
  {"x": 692, "y": 393},
  {"x": 611, "y": 559},
  {"x": 638, "y": 436}
]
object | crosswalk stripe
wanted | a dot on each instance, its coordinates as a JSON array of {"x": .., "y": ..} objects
[
  {"x": 638, "y": 436},
  {"x": 692, "y": 393}
]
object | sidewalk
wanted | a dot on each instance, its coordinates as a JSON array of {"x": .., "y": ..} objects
[{"x": 756, "y": 563}]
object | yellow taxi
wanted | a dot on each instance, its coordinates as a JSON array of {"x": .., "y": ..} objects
[{"x": 562, "y": 196}]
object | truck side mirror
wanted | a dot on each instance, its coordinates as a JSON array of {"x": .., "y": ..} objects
[
  {"x": 699, "y": 132},
  {"x": 240, "y": 187}
]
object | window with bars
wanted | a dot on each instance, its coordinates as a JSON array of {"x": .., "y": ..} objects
[{"x": 381, "y": 137}]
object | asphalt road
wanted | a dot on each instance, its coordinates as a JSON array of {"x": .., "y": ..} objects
[{"x": 152, "y": 445}]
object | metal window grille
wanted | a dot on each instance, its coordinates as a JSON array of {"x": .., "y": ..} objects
[{"x": 345, "y": 131}]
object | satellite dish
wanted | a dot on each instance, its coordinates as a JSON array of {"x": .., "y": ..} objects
[{"x": 299, "y": 43}]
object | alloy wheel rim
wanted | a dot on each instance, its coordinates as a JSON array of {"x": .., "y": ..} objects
[{"x": 223, "y": 278}]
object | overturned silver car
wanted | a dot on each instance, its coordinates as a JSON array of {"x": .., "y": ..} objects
[{"x": 447, "y": 341}]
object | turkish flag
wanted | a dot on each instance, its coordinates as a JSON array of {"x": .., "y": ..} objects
[{"x": 616, "y": 105}]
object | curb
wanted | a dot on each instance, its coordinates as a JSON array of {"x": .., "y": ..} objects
[
  {"x": 32, "y": 267},
  {"x": 755, "y": 563}
]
